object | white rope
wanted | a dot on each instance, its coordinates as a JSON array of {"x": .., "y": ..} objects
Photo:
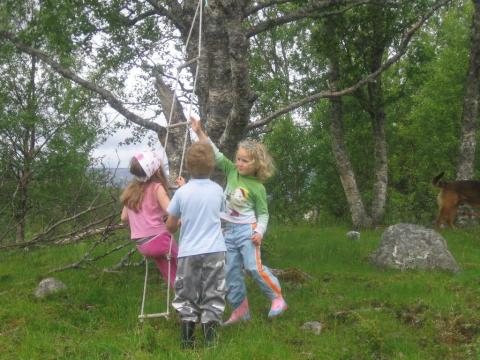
[
  {"x": 177, "y": 80},
  {"x": 194, "y": 88},
  {"x": 199, "y": 8},
  {"x": 142, "y": 316},
  {"x": 165, "y": 314},
  {"x": 169, "y": 259}
]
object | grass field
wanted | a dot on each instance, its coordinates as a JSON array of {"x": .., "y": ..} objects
[{"x": 365, "y": 313}]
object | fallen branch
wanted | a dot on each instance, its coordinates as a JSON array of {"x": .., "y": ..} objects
[
  {"x": 86, "y": 227},
  {"x": 86, "y": 257},
  {"x": 125, "y": 262},
  {"x": 75, "y": 235},
  {"x": 88, "y": 233},
  {"x": 71, "y": 218}
]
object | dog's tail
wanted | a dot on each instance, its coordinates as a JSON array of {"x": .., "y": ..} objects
[{"x": 437, "y": 182}]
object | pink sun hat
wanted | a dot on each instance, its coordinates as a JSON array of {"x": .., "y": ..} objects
[{"x": 151, "y": 161}]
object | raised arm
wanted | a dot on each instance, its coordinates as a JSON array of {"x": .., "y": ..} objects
[
  {"x": 197, "y": 129},
  {"x": 222, "y": 162}
]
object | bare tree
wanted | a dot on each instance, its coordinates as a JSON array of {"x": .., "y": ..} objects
[{"x": 359, "y": 215}]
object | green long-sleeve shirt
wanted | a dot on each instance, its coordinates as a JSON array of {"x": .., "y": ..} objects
[{"x": 246, "y": 198}]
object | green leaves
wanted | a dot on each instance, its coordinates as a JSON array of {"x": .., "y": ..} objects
[{"x": 48, "y": 128}]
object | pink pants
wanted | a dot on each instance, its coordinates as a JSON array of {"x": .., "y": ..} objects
[{"x": 157, "y": 249}]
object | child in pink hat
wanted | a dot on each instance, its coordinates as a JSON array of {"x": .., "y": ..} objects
[{"x": 145, "y": 201}]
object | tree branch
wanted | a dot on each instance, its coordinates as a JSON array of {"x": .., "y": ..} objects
[
  {"x": 310, "y": 11},
  {"x": 146, "y": 14},
  {"x": 75, "y": 236},
  {"x": 86, "y": 257},
  {"x": 123, "y": 261},
  {"x": 173, "y": 15},
  {"x": 167, "y": 96},
  {"x": 106, "y": 95},
  {"x": 105, "y": 233},
  {"x": 47, "y": 138},
  {"x": 87, "y": 231},
  {"x": 42, "y": 235},
  {"x": 254, "y": 9},
  {"x": 407, "y": 36}
]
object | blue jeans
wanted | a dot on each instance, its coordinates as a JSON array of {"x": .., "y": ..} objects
[{"x": 243, "y": 254}]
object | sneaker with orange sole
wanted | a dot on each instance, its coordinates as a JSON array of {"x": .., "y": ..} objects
[
  {"x": 241, "y": 313},
  {"x": 279, "y": 306}
]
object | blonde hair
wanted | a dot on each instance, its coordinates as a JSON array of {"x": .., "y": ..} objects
[
  {"x": 132, "y": 196},
  {"x": 200, "y": 160},
  {"x": 260, "y": 157}
]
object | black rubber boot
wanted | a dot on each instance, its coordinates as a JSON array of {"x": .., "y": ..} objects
[
  {"x": 188, "y": 339},
  {"x": 210, "y": 333}
]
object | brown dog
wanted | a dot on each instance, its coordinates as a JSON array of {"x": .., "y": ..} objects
[{"x": 452, "y": 194}]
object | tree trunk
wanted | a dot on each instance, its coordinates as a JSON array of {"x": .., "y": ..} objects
[
  {"x": 28, "y": 153},
  {"x": 465, "y": 169},
  {"x": 224, "y": 92},
  {"x": 21, "y": 215},
  {"x": 20, "y": 235},
  {"x": 468, "y": 136},
  {"x": 176, "y": 136},
  {"x": 375, "y": 108},
  {"x": 380, "y": 151},
  {"x": 360, "y": 217},
  {"x": 223, "y": 89}
]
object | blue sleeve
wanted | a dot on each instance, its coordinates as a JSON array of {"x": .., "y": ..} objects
[{"x": 174, "y": 206}]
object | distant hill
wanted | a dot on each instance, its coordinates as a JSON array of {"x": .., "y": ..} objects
[{"x": 121, "y": 176}]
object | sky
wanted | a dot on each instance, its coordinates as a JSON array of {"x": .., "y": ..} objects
[{"x": 113, "y": 155}]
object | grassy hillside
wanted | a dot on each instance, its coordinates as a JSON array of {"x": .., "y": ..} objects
[{"x": 365, "y": 313}]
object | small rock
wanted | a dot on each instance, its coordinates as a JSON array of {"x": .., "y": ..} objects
[
  {"x": 353, "y": 235},
  {"x": 49, "y": 286},
  {"x": 314, "y": 326}
]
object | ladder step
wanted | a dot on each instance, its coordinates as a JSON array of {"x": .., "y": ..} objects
[
  {"x": 177, "y": 124},
  {"x": 149, "y": 316},
  {"x": 191, "y": 61}
]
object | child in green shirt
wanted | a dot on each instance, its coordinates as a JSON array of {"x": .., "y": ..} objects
[{"x": 246, "y": 218}]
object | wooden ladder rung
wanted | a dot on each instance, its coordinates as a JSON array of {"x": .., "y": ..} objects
[
  {"x": 149, "y": 316},
  {"x": 177, "y": 124},
  {"x": 191, "y": 61}
]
